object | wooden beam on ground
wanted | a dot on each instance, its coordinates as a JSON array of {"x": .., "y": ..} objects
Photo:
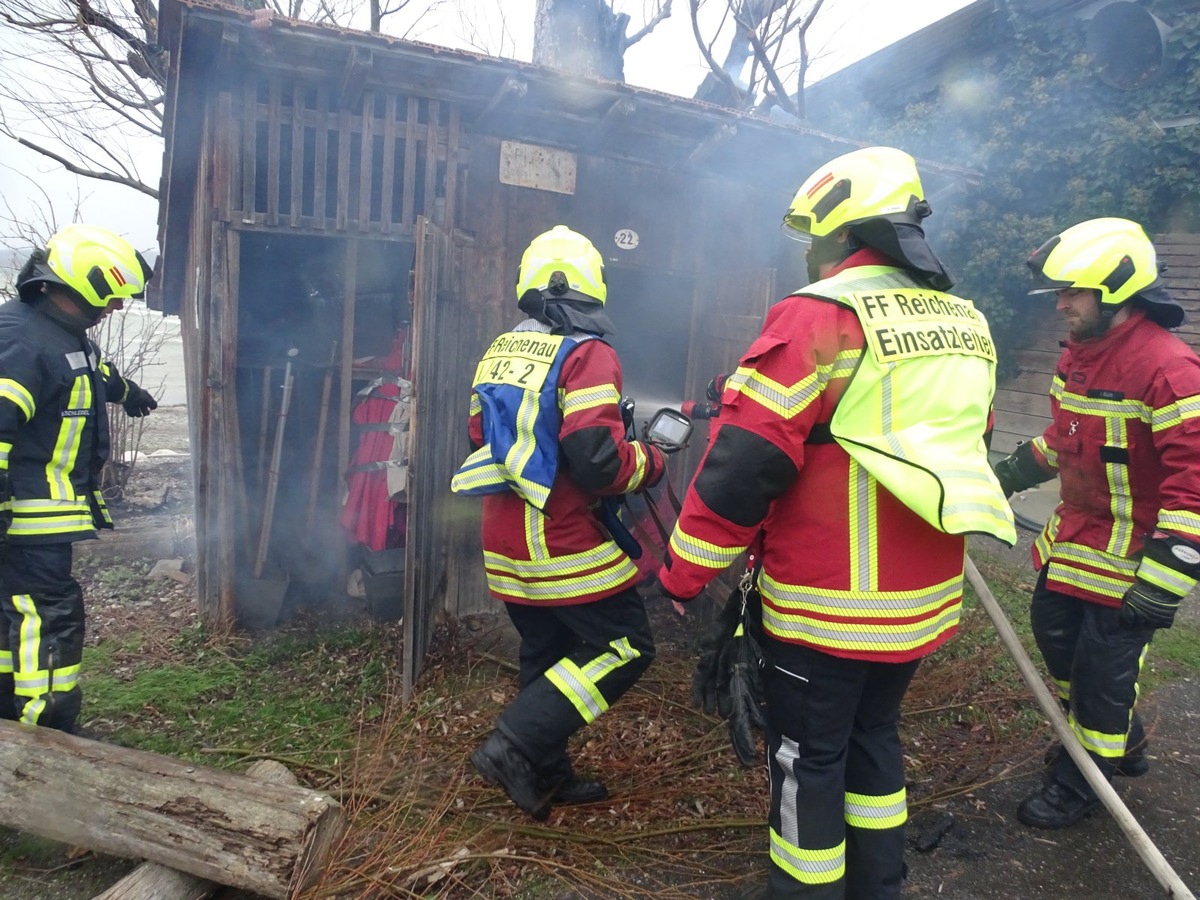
[
  {"x": 233, "y": 830},
  {"x": 152, "y": 881}
]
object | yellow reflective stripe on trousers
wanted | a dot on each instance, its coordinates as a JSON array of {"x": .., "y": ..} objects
[
  {"x": 1175, "y": 413},
  {"x": 26, "y": 655},
  {"x": 1064, "y": 690},
  {"x": 36, "y": 683},
  {"x": 819, "y": 866},
  {"x": 877, "y": 812},
  {"x": 809, "y": 866},
  {"x": 6, "y": 662},
  {"x": 1120, "y": 494},
  {"x": 581, "y": 685},
  {"x": 864, "y": 525},
  {"x": 1180, "y": 521},
  {"x": 1165, "y": 577},
  {"x": 1110, "y": 746},
  {"x": 19, "y": 396},
  {"x": 66, "y": 448}
]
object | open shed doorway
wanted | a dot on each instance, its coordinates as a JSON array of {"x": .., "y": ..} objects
[{"x": 339, "y": 311}]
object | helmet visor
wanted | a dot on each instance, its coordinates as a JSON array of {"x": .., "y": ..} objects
[{"x": 791, "y": 228}]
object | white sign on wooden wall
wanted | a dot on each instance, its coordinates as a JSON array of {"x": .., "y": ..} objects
[{"x": 528, "y": 165}]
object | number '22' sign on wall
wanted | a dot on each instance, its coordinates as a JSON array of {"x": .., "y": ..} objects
[{"x": 626, "y": 239}]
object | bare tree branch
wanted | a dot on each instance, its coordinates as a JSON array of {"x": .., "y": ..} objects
[
  {"x": 761, "y": 41},
  {"x": 663, "y": 12},
  {"x": 76, "y": 170},
  {"x": 706, "y": 50}
]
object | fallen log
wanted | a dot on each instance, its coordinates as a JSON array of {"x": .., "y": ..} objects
[
  {"x": 153, "y": 881},
  {"x": 230, "y": 829}
]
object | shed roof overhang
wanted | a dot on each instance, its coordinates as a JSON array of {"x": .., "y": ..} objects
[{"x": 519, "y": 101}]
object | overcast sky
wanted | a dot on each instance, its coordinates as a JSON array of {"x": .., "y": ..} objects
[{"x": 667, "y": 60}]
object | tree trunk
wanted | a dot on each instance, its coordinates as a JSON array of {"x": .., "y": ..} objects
[
  {"x": 229, "y": 829},
  {"x": 580, "y": 37},
  {"x": 152, "y": 881}
]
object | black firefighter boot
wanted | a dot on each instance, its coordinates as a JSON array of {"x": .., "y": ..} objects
[
  {"x": 565, "y": 787},
  {"x": 1056, "y": 806},
  {"x": 500, "y": 762}
]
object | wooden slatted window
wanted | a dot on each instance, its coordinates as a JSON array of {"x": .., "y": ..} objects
[{"x": 304, "y": 161}]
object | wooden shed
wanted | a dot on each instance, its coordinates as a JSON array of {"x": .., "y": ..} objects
[{"x": 365, "y": 201}]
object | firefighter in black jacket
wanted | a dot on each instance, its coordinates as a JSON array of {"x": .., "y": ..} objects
[{"x": 53, "y": 443}]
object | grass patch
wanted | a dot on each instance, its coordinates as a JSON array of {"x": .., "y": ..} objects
[{"x": 297, "y": 693}]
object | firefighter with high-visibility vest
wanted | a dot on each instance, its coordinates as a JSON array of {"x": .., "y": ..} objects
[
  {"x": 850, "y": 445},
  {"x": 54, "y": 384},
  {"x": 1123, "y": 546},
  {"x": 549, "y": 442}
]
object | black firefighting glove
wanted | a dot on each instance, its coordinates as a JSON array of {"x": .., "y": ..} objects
[
  {"x": 740, "y": 693},
  {"x": 6, "y": 513},
  {"x": 138, "y": 402},
  {"x": 728, "y": 676},
  {"x": 1148, "y": 606},
  {"x": 1020, "y": 470},
  {"x": 707, "y": 675},
  {"x": 1169, "y": 569}
]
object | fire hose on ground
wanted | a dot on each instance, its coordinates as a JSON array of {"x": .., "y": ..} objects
[{"x": 1150, "y": 854}]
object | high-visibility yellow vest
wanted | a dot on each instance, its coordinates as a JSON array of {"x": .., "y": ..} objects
[
  {"x": 916, "y": 409},
  {"x": 516, "y": 389}
]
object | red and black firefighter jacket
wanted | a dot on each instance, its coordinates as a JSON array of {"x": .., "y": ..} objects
[
  {"x": 563, "y": 555},
  {"x": 54, "y": 385},
  {"x": 846, "y": 567},
  {"x": 1125, "y": 443}
]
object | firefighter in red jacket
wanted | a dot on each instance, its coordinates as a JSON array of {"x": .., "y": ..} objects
[
  {"x": 841, "y": 450},
  {"x": 549, "y": 444},
  {"x": 1123, "y": 545}
]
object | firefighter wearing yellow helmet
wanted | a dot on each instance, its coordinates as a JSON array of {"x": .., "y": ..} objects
[
  {"x": 1123, "y": 546},
  {"x": 843, "y": 456},
  {"x": 549, "y": 444},
  {"x": 54, "y": 384}
]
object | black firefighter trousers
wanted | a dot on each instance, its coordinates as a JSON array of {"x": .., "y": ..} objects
[
  {"x": 576, "y": 661},
  {"x": 838, "y": 804},
  {"x": 41, "y": 635},
  {"x": 1095, "y": 662}
]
